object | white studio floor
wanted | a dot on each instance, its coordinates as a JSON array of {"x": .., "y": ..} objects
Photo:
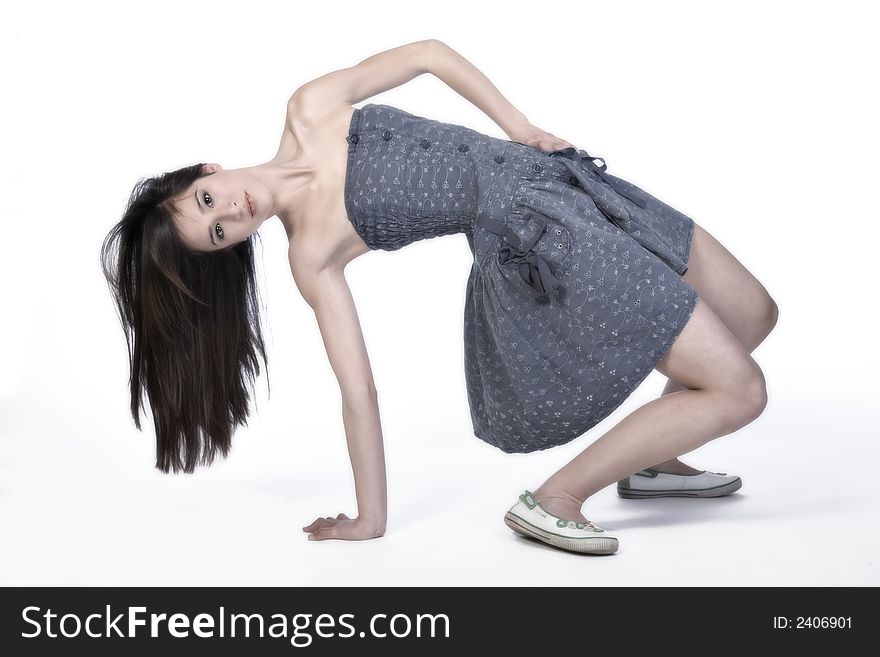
[{"x": 806, "y": 515}]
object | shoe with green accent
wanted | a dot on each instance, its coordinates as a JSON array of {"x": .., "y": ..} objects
[
  {"x": 529, "y": 518},
  {"x": 651, "y": 483}
]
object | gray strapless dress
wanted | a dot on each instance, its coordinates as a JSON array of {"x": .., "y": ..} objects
[{"x": 575, "y": 291}]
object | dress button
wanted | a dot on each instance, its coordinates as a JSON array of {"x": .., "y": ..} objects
[
  {"x": 537, "y": 167},
  {"x": 464, "y": 148},
  {"x": 354, "y": 138},
  {"x": 426, "y": 143},
  {"x": 386, "y": 135},
  {"x": 499, "y": 159}
]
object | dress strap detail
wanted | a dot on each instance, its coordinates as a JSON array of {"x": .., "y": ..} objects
[{"x": 589, "y": 160}]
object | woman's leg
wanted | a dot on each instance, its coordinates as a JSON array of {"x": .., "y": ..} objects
[
  {"x": 736, "y": 296},
  {"x": 724, "y": 391}
]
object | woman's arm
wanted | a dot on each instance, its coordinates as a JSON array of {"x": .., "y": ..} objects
[
  {"x": 464, "y": 78},
  {"x": 468, "y": 81},
  {"x": 380, "y": 72},
  {"x": 392, "y": 68},
  {"x": 327, "y": 292}
]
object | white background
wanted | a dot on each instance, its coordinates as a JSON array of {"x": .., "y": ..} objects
[{"x": 757, "y": 119}]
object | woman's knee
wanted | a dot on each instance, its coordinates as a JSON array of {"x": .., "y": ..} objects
[
  {"x": 760, "y": 315},
  {"x": 748, "y": 390},
  {"x": 756, "y": 394},
  {"x": 708, "y": 356},
  {"x": 769, "y": 314}
]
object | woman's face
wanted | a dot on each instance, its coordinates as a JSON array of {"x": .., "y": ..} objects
[{"x": 215, "y": 213}]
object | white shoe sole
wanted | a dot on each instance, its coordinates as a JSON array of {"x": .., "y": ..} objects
[
  {"x": 717, "y": 491},
  {"x": 586, "y": 545}
]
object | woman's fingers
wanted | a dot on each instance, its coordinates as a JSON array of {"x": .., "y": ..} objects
[
  {"x": 555, "y": 144},
  {"x": 326, "y": 521},
  {"x": 320, "y": 522},
  {"x": 559, "y": 144},
  {"x": 324, "y": 532},
  {"x": 345, "y": 529}
]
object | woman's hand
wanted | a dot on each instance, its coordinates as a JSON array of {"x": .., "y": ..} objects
[
  {"x": 533, "y": 136},
  {"x": 344, "y": 528}
]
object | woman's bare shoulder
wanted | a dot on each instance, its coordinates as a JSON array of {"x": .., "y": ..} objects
[{"x": 315, "y": 111}]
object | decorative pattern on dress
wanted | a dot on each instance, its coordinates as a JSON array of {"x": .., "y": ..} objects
[{"x": 575, "y": 292}]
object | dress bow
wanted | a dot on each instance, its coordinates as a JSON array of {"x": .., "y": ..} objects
[{"x": 532, "y": 267}]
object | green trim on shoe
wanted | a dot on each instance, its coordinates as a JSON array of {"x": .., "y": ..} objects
[{"x": 529, "y": 500}]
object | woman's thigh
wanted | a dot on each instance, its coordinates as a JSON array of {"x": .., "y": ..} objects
[{"x": 735, "y": 295}]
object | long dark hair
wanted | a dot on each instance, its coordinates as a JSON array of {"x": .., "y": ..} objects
[{"x": 191, "y": 322}]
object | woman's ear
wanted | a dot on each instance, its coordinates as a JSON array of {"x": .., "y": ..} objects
[{"x": 212, "y": 167}]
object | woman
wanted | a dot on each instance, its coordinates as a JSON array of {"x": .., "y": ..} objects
[{"x": 582, "y": 284}]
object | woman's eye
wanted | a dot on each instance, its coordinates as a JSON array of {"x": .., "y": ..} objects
[
  {"x": 219, "y": 230},
  {"x": 206, "y": 196}
]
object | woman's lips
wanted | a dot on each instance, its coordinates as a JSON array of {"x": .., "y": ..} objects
[{"x": 250, "y": 203}]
